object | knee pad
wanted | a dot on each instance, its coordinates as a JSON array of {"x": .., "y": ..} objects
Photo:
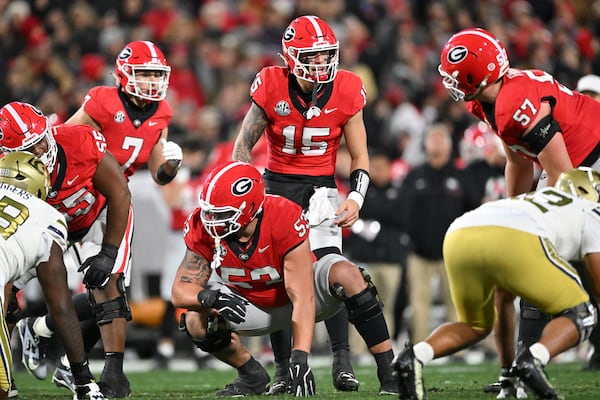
[
  {"x": 584, "y": 317},
  {"x": 216, "y": 339},
  {"x": 107, "y": 311},
  {"x": 363, "y": 306}
]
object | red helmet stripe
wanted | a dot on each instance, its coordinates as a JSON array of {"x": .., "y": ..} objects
[
  {"x": 484, "y": 35},
  {"x": 22, "y": 125},
  {"x": 214, "y": 181},
  {"x": 315, "y": 24}
]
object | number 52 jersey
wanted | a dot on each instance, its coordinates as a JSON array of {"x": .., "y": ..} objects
[{"x": 28, "y": 226}]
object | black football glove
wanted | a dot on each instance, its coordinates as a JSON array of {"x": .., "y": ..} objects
[
  {"x": 99, "y": 267},
  {"x": 13, "y": 312},
  {"x": 302, "y": 380},
  {"x": 231, "y": 306}
]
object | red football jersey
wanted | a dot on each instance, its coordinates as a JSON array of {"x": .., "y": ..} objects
[
  {"x": 255, "y": 269},
  {"x": 80, "y": 150},
  {"x": 129, "y": 139},
  {"x": 298, "y": 145},
  {"x": 518, "y": 103}
]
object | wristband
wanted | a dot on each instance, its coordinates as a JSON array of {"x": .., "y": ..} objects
[
  {"x": 359, "y": 182},
  {"x": 357, "y": 197},
  {"x": 299, "y": 357},
  {"x": 110, "y": 250},
  {"x": 162, "y": 176}
]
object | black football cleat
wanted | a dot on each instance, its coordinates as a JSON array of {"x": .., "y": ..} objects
[
  {"x": 531, "y": 372},
  {"x": 409, "y": 372}
]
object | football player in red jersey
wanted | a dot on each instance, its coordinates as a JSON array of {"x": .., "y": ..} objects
[
  {"x": 134, "y": 116},
  {"x": 304, "y": 108},
  {"x": 89, "y": 189},
  {"x": 264, "y": 280},
  {"x": 539, "y": 120}
]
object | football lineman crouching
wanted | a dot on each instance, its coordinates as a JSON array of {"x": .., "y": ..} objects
[
  {"x": 533, "y": 226},
  {"x": 263, "y": 280}
]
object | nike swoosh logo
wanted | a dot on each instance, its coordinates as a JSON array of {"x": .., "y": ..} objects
[
  {"x": 329, "y": 110},
  {"x": 152, "y": 123},
  {"x": 264, "y": 249},
  {"x": 70, "y": 182}
]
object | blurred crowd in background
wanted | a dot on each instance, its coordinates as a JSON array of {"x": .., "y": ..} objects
[{"x": 53, "y": 51}]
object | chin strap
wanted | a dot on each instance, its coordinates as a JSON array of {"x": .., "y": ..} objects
[
  {"x": 217, "y": 255},
  {"x": 313, "y": 111}
]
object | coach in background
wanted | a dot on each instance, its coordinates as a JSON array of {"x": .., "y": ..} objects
[{"x": 432, "y": 196}]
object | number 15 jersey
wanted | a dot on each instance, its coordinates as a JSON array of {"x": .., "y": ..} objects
[{"x": 297, "y": 145}]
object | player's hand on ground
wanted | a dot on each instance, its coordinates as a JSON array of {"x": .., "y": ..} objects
[
  {"x": 302, "y": 380},
  {"x": 230, "y": 305}
]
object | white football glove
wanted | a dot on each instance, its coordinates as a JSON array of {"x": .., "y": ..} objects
[{"x": 172, "y": 152}]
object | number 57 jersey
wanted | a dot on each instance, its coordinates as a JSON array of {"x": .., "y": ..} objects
[
  {"x": 28, "y": 226},
  {"x": 519, "y": 102},
  {"x": 255, "y": 268}
]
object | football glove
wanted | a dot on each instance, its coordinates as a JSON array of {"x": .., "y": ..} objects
[
  {"x": 301, "y": 379},
  {"x": 231, "y": 306},
  {"x": 14, "y": 312},
  {"x": 172, "y": 153},
  {"x": 99, "y": 267}
]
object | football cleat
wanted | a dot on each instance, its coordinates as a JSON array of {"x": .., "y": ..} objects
[
  {"x": 91, "y": 391},
  {"x": 409, "y": 372},
  {"x": 34, "y": 349},
  {"x": 342, "y": 373},
  {"x": 13, "y": 392},
  {"x": 114, "y": 385},
  {"x": 531, "y": 372},
  {"x": 246, "y": 386},
  {"x": 280, "y": 381},
  {"x": 346, "y": 382},
  {"x": 63, "y": 377}
]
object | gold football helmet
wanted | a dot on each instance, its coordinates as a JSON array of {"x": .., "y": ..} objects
[
  {"x": 583, "y": 182},
  {"x": 25, "y": 171}
]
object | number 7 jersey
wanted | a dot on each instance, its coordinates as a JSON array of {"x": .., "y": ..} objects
[{"x": 297, "y": 145}]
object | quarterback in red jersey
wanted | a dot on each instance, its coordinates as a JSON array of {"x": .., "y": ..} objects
[
  {"x": 538, "y": 119},
  {"x": 264, "y": 280},
  {"x": 89, "y": 189},
  {"x": 305, "y": 108}
]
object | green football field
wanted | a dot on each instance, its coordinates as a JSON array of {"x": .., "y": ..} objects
[{"x": 449, "y": 381}]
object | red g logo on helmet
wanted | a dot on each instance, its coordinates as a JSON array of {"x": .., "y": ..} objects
[
  {"x": 457, "y": 54},
  {"x": 241, "y": 186}
]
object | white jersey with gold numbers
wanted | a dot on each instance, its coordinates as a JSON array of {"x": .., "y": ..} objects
[
  {"x": 570, "y": 223},
  {"x": 28, "y": 226}
]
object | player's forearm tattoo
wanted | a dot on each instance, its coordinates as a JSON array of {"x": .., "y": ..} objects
[
  {"x": 195, "y": 269},
  {"x": 252, "y": 128}
]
